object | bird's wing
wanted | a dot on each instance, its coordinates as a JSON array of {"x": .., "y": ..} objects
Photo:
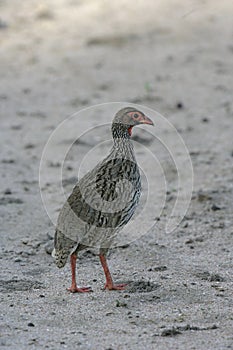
[{"x": 100, "y": 203}]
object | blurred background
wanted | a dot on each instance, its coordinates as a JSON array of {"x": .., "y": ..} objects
[{"x": 57, "y": 57}]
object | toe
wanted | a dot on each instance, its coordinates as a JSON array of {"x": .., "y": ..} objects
[
  {"x": 115, "y": 286},
  {"x": 79, "y": 290}
]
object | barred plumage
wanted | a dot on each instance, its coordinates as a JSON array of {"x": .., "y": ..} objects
[{"x": 104, "y": 200}]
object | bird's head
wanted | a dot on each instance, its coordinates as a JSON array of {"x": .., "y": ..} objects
[{"x": 126, "y": 118}]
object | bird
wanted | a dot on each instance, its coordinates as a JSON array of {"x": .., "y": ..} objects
[{"x": 102, "y": 202}]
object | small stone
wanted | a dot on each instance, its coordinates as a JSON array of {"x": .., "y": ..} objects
[
  {"x": 8, "y": 191},
  {"x": 109, "y": 313},
  {"x": 29, "y": 146},
  {"x": 120, "y": 304},
  {"x": 189, "y": 241},
  {"x": 203, "y": 196},
  {"x": 26, "y": 90},
  {"x": 32, "y": 341},
  {"x": 215, "y": 207},
  {"x": 179, "y": 105},
  {"x": 8, "y": 161},
  {"x": 30, "y": 324},
  {"x": 25, "y": 241},
  {"x": 170, "y": 332},
  {"x": 158, "y": 268},
  {"x": 16, "y": 127},
  {"x": 215, "y": 277},
  {"x": 214, "y": 326},
  {"x": 10, "y": 200},
  {"x": 126, "y": 296}
]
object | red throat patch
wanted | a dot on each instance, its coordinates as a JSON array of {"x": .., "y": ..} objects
[{"x": 130, "y": 130}]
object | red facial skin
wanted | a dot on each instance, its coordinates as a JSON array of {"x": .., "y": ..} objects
[{"x": 138, "y": 118}]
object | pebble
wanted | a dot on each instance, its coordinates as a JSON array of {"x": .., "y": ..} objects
[
  {"x": 16, "y": 127},
  {"x": 179, "y": 105},
  {"x": 170, "y": 332},
  {"x": 120, "y": 304},
  {"x": 30, "y": 324},
  {"x": 8, "y": 161},
  {"x": 215, "y": 207},
  {"x": 29, "y": 146},
  {"x": 158, "y": 268},
  {"x": 10, "y": 200}
]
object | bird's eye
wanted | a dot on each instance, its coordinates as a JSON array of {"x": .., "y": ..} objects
[{"x": 136, "y": 115}]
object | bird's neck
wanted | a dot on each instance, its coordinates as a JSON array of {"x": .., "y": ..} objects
[
  {"x": 121, "y": 131},
  {"x": 122, "y": 141}
]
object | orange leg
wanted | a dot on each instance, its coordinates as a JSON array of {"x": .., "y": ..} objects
[
  {"x": 74, "y": 288},
  {"x": 109, "y": 282}
]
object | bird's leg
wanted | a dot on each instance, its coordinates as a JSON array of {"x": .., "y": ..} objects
[
  {"x": 74, "y": 288},
  {"x": 109, "y": 282}
]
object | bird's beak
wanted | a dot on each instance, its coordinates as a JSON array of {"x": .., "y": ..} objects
[{"x": 146, "y": 120}]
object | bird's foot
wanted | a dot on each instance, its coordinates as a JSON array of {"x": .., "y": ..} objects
[
  {"x": 115, "y": 286},
  {"x": 75, "y": 289}
]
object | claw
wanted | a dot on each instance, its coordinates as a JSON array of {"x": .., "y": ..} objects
[
  {"x": 75, "y": 289},
  {"x": 115, "y": 286}
]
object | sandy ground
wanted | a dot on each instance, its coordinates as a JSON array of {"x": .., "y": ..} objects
[{"x": 175, "y": 57}]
